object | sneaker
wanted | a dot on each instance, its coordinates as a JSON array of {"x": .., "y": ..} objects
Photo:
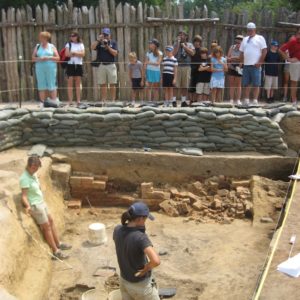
[
  {"x": 64, "y": 246},
  {"x": 238, "y": 102},
  {"x": 255, "y": 102},
  {"x": 294, "y": 103},
  {"x": 59, "y": 255},
  {"x": 184, "y": 104},
  {"x": 174, "y": 104},
  {"x": 246, "y": 102},
  {"x": 231, "y": 101},
  {"x": 284, "y": 99},
  {"x": 41, "y": 105}
]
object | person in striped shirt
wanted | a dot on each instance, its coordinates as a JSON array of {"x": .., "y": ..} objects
[{"x": 169, "y": 77}]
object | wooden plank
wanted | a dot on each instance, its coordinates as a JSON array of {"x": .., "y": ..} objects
[
  {"x": 213, "y": 31},
  {"x": 288, "y": 24},
  {"x": 140, "y": 18},
  {"x": 93, "y": 55},
  {"x": 151, "y": 14},
  {"x": 88, "y": 78},
  {"x": 70, "y": 7},
  {"x": 133, "y": 31},
  {"x": 120, "y": 39},
  {"x": 180, "y": 15},
  {"x": 127, "y": 49},
  {"x": 21, "y": 56},
  {"x": 60, "y": 39},
  {"x": 146, "y": 30},
  {"x": 52, "y": 18},
  {"x": 12, "y": 40}
]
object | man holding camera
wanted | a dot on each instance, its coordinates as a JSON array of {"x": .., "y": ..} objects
[
  {"x": 107, "y": 51},
  {"x": 183, "y": 50}
]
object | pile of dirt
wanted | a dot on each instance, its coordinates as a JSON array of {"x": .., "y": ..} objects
[{"x": 217, "y": 199}]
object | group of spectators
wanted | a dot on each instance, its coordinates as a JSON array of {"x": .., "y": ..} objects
[{"x": 185, "y": 69}]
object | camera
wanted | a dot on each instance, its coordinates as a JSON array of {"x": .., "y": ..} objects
[{"x": 105, "y": 42}]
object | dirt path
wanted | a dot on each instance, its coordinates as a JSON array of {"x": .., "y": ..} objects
[{"x": 208, "y": 261}]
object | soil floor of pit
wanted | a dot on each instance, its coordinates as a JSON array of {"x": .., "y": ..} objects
[{"x": 203, "y": 261}]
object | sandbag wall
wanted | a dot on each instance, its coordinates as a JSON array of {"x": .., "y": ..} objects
[{"x": 207, "y": 128}]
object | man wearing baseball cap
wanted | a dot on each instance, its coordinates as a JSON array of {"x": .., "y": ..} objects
[
  {"x": 107, "y": 50},
  {"x": 136, "y": 255},
  {"x": 253, "y": 52},
  {"x": 183, "y": 50},
  {"x": 293, "y": 48}
]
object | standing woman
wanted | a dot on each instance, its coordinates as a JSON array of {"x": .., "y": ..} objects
[
  {"x": 234, "y": 76},
  {"x": 45, "y": 56},
  {"x": 136, "y": 255},
  {"x": 74, "y": 68},
  {"x": 152, "y": 66}
]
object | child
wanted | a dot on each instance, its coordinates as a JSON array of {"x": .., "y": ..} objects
[
  {"x": 170, "y": 65},
  {"x": 203, "y": 76},
  {"x": 136, "y": 74},
  {"x": 272, "y": 61},
  {"x": 152, "y": 65},
  {"x": 218, "y": 69}
]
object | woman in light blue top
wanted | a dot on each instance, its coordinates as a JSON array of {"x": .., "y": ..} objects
[
  {"x": 46, "y": 56},
  {"x": 152, "y": 65}
]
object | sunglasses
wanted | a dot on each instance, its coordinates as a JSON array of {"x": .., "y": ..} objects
[{"x": 73, "y": 35}]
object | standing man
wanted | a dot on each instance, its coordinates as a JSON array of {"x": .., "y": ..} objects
[
  {"x": 293, "y": 48},
  {"x": 253, "y": 52},
  {"x": 35, "y": 205},
  {"x": 107, "y": 50},
  {"x": 183, "y": 50},
  {"x": 136, "y": 255}
]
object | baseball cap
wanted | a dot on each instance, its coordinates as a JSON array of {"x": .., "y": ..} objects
[
  {"x": 169, "y": 48},
  {"x": 140, "y": 209},
  {"x": 251, "y": 25},
  {"x": 274, "y": 43},
  {"x": 106, "y": 31},
  {"x": 182, "y": 32},
  {"x": 155, "y": 42}
]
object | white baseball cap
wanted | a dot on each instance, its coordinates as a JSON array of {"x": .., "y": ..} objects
[{"x": 251, "y": 25}]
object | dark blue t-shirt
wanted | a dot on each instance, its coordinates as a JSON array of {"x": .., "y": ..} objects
[
  {"x": 272, "y": 67},
  {"x": 103, "y": 55},
  {"x": 130, "y": 245}
]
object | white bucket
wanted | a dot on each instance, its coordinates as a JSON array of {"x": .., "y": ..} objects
[
  {"x": 97, "y": 234},
  {"x": 94, "y": 295},
  {"x": 115, "y": 295}
]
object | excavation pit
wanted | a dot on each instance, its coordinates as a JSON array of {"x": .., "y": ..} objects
[{"x": 205, "y": 256}]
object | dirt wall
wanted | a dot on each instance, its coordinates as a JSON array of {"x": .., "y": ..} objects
[{"x": 25, "y": 267}]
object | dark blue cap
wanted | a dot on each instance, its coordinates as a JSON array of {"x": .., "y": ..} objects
[
  {"x": 140, "y": 209},
  {"x": 106, "y": 31},
  {"x": 275, "y": 43}
]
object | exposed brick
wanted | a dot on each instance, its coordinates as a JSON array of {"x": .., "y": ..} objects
[
  {"x": 74, "y": 203},
  {"x": 101, "y": 178},
  {"x": 99, "y": 185}
]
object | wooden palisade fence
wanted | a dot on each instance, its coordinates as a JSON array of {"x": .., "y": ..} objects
[{"x": 132, "y": 28}]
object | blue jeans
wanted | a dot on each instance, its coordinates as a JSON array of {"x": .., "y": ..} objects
[{"x": 251, "y": 76}]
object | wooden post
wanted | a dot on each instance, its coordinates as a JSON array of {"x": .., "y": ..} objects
[{"x": 120, "y": 39}]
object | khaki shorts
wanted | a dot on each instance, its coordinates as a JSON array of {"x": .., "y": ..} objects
[
  {"x": 107, "y": 74},
  {"x": 202, "y": 88},
  {"x": 183, "y": 77},
  {"x": 40, "y": 213},
  {"x": 295, "y": 71},
  {"x": 271, "y": 82},
  {"x": 144, "y": 290}
]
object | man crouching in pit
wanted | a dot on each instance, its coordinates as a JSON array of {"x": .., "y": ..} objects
[
  {"x": 136, "y": 256},
  {"x": 33, "y": 201}
]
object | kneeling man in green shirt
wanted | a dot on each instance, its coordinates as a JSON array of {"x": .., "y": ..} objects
[{"x": 33, "y": 200}]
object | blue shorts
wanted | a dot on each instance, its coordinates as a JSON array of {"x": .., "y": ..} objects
[
  {"x": 251, "y": 76},
  {"x": 153, "y": 76},
  {"x": 46, "y": 76}
]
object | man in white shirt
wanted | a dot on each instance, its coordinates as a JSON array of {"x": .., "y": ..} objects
[{"x": 253, "y": 52}]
